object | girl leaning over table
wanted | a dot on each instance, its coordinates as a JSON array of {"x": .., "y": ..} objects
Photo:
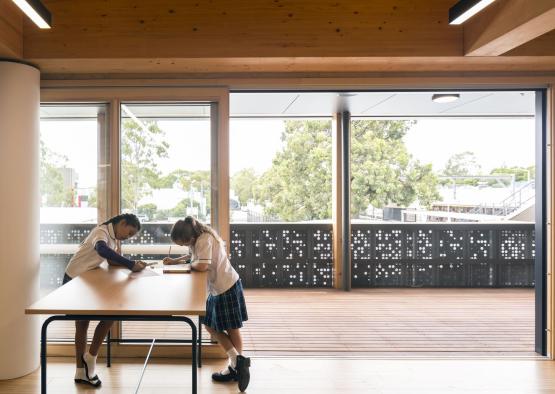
[
  {"x": 225, "y": 307},
  {"x": 101, "y": 244}
]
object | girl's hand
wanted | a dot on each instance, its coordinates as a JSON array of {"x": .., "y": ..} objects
[
  {"x": 169, "y": 261},
  {"x": 139, "y": 266}
]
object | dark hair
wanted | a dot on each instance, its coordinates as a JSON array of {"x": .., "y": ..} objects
[
  {"x": 186, "y": 230},
  {"x": 129, "y": 218}
]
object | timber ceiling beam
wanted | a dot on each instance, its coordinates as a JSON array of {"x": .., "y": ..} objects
[
  {"x": 11, "y": 31},
  {"x": 506, "y": 25}
]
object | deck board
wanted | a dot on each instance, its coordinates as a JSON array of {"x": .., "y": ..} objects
[{"x": 374, "y": 321}]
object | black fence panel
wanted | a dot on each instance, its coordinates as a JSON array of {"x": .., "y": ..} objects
[{"x": 297, "y": 255}]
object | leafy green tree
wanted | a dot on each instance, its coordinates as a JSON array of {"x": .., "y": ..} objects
[
  {"x": 521, "y": 173},
  {"x": 382, "y": 170},
  {"x": 147, "y": 209},
  {"x": 180, "y": 210},
  {"x": 141, "y": 149},
  {"x": 462, "y": 164},
  {"x": 243, "y": 183},
  {"x": 162, "y": 214},
  {"x": 298, "y": 185},
  {"x": 51, "y": 185},
  {"x": 93, "y": 198}
]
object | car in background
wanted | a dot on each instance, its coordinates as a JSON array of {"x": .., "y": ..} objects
[{"x": 142, "y": 217}]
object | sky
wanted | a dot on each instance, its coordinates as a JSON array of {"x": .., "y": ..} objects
[
  {"x": 254, "y": 142},
  {"x": 495, "y": 142}
]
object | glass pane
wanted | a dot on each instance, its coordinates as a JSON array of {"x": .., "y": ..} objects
[
  {"x": 72, "y": 185},
  {"x": 165, "y": 176},
  {"x": 286, "y": 175},
  {"x": 442, "y": 169}
]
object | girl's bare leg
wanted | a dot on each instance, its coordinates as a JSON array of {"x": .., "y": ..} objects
[
  {"x": 234, "y": 336},
  {"x": 81, "y": 327},
  {"x": 99, "y": 334},
  {"x": 222, "y": 338}
]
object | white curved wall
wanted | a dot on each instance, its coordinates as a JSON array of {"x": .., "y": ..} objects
[{"x": 19, "y": 217}]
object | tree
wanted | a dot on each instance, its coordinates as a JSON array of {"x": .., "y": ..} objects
[
  {"x": 243, "y": 183},
  {"x": 148, "y": 210},
  {"x": 298, "y": 185},
  {"x": 142, "y": 147},
  {"x": 382, "y": 170},
  {"x": 51, "y": 183},
  {"x": 180, "y": 210},
  {"x": 93, "y": 199},
  {"x": 521, "y": 174},
  {"x": 462, "y": 164}
]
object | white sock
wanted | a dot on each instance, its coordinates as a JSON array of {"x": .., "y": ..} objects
[
  {"x": 91, "y": 364},
  {"x": 80, "y": 374},
  {"x": 225, "y": 371},
  {"x": 232, "y": 354}
]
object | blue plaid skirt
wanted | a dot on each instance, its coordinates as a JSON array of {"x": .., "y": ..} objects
[{"x": 226, "y": 310}]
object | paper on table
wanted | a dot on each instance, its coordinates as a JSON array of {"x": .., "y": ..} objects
[{"x": 144, "y": 273}]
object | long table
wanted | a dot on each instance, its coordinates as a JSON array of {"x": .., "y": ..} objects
[{"x": 116, "y": 294}]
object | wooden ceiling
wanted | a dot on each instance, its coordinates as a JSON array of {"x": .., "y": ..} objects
[{"x": 280, "y": 36}]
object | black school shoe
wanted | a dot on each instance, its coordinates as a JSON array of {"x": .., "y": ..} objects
[
  {"x": 243, "y": 373},
  {"x": 228, "y": 377},
  {"x": 95, "y": 382}
]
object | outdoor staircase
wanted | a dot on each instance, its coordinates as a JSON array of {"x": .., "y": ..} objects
[{"x": 519, "y": 200}]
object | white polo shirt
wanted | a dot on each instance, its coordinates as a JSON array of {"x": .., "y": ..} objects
[
  {"x": 221, "y": 275},
  {"x": 86, "y": 258}
]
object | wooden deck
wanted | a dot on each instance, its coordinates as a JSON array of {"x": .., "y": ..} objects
[{"x": 372, "y": 322}]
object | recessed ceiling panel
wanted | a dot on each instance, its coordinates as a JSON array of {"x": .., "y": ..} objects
[{"x": 383, "y": 104}]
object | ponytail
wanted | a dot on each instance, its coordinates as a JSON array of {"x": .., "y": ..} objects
[
  {"x": 186, "y": 230},
  {"x": 129, "y": 218}
]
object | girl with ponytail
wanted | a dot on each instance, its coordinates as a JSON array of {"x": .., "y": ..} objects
[
  {"x": 101, "y": 244},
  {"x": 225, "y": 307}
]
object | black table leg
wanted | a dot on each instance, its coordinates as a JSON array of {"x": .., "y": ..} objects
[
  {"x": 193, "y": 348},
  {"x": 43, "y": 345},
  {"x": 199, "y": 341},
  {"x": 109, "y": 349},
  {"x": 44, "y": 338}
]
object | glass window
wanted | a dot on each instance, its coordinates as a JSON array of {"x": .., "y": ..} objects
[
  {"x": 165, "y": 176},
  {"x": 73, "y": 187},
  {"x": 286, "y": 177}
]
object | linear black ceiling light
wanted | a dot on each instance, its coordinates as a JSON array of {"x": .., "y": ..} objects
[
  {"x": 35, "y": 10},
  {"x": 465, "y": 9}
]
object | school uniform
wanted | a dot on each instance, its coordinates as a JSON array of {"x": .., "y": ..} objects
[
  {"x": 225, "y": 305},
  {"x": 97, "y": 247}
]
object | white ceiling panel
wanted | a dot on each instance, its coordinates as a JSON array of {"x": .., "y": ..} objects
[
  {"x": 383, "y": 104},
  {"x": 256, "y": 104}
]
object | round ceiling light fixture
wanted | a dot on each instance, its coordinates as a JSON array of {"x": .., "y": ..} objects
[
  {"x": 445, "y": 97},
  {"x": 346, "y": 94}
]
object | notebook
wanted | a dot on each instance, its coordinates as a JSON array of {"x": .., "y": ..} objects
[{"x": 177, "y": 269}]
